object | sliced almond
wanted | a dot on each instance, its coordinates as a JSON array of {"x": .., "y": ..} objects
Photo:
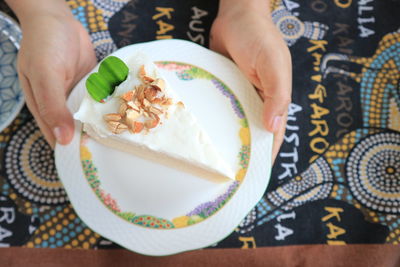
[
  {"x": 128, "y": 96},
  {"x": 146, "y": 114},
  {"x": 137, "y": 103},
  {"x": 137, "y": 127},
  {"x": 132, "y": 105},
  {"x": 116, "y": 127},
  {"x": 113, "y": 126},
  {"x": 146, "y": 103},
  {"x": 157, "y": 101},
  {"x": 143, "y": 75},
  {"x": 121, "y": 128},
  {"x": 148, "y": 79},
  {"x": 180, "y": 104},
  {"x": 155, "y": 110},
  {"x": 137, "y": 92},
  {"x": 167, "y": 102},
  {"x": 153, "y": 122},
  {"x": 112, "y": 117},
  {"x": 131, "y": 116},
  {"x": 159, "y": 84},
  {"x": 156, "y": 116},
  {"x": 150, "y": 124},
  {"x": 122, "y": 109},
  {"x": 150, "y": 93},
  {"x": 140, "y": 93},
  {"x": 140, "y": 88},
  {"x": 142, "y": 71}
]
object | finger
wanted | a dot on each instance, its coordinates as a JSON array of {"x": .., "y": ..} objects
[
  {"x": 30, "y": 102},
  {"x": 50, "y": 97},
  {"x": 278, "y": 139},
  {"x": 275, "y": 75}
]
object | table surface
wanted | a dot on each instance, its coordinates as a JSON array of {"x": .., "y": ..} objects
[
  {"x": 344, "y": 116},
  {"x": 306, "y": 255}
]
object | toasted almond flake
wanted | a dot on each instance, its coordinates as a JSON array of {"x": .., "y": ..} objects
[
  {"x": 137, "y": 103},
  {"x": 142, "y": 71},
  {"x": 116, "y": 127},
  {"x": 146, "y": 114},
  {"x": 138, "y": 90},
  {"x": 143, "y": 75},
  {"x": 180, "y": 104},
  {"x": 150, "y": 124},
  {"x": 137, "y": 127},
  {"x": 155, "y": 116},
  {"x": 140, "y": 93},
  {"x": 132, "y": 105},
  {"x": 157, "y": 101},
  {"x": 155, "y": 110},
  {"x": 150, "y": 93},
  {"x": 121, "y": 128},
  {"x": 131, "y": 116},
  {"x": 167, "y": 102},
  {"x": 146, "y": 103},
  {"x": 112, "y": 117},
  {"x": 122, "y": 109},
  {"x": 128, "y": 96},
  {"x": 159, "y": 84},
  {"x": 112, "y": 124},
  {"x": 148, "y": 79}
]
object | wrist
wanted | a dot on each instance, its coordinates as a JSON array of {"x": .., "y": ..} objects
[
  {"x": 258, "y": 7},
  {"x": 26, "y": 10}
]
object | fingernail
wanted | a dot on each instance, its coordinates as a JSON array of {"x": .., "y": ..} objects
[
  {"x": 276, "y": 123},
  {"x": 57, "y": 131}
]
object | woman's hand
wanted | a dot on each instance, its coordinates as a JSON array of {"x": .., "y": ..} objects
[
  {"x": 244, "y": 31},
  {"x": 56, "y": 52}
]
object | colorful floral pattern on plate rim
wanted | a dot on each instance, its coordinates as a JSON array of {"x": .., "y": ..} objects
[{"x": 186, "y": 72}]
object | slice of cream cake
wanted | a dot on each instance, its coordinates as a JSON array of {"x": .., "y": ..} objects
[{"x": 145, "y": 117}]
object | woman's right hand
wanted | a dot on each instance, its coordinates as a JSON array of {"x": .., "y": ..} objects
[{"x": 56, "y": 52}]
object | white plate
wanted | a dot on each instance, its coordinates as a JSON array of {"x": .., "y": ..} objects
[
  {"x": 11, "y": 96},
  {"x": 156, "y": 210}
]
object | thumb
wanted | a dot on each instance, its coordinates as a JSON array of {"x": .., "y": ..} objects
[
  {"x": 49, "y": 93},
  {"x": 275, "y": 75},
  {"x": 275, "y": 107}
]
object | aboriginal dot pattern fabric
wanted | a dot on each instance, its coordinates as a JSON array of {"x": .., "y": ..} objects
[{"x": 336, "y": 179}]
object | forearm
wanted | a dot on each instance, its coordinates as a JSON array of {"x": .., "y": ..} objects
[
  {"x": 256, "y": 6},
  {"x": 25, "y": 9}
]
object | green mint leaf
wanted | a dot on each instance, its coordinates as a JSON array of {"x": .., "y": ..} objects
[
  {"x": 112, "y": 72},
  {"x": 98, "y": 87}
]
